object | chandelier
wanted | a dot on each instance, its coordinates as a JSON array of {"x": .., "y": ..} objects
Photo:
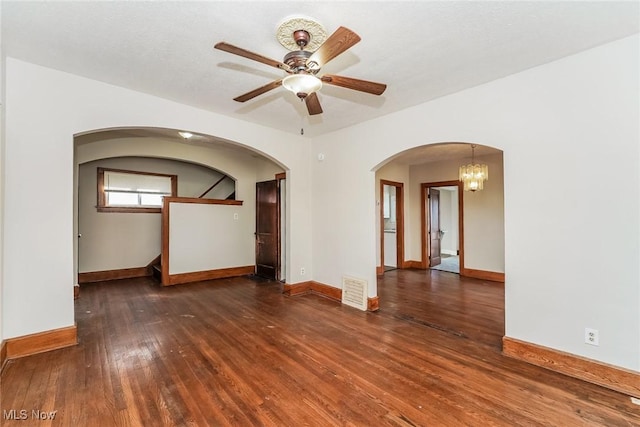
[{"x": 473, "y": 175}]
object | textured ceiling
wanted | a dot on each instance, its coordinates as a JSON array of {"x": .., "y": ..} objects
[{"x": 421, "y": 50}]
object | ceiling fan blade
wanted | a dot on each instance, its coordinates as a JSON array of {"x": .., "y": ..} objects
[
  {"x": 251, "y": 55},
  {"x": 266, "y": 88},
  {"x": 355, "y": 84},
  {"x": 341, "y": 40},
  {"x": 313, "y": 104}
]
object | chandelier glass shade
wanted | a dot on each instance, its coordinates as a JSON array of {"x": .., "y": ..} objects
[
  {"x": 473, "y": 175},
  {"x": 302, "y": 84}
]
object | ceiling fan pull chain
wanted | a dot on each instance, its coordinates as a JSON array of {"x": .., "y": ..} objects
[{"x": 301, "y": 122}]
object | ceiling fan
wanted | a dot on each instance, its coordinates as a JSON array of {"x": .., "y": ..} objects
[{"x": 302, "y": 65}]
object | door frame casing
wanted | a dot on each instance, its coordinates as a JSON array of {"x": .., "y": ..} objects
[
  {"x": 424, "y": 188},
  {"x": 280, "y": 177},
  {"x": 399, "y": 222}
]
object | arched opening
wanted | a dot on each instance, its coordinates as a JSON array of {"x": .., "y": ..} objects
[
  {"x": 442, "y": 224},
  {"x": 205, "y": 167}
]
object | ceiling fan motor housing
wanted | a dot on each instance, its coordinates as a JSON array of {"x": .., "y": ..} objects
[{"x": 297, "y": 60}]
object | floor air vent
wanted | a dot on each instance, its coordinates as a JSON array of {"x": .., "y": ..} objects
[{"x": 354, "y": 292}]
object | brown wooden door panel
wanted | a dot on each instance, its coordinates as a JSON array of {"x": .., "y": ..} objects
[
  {"x": 434, "y": 228},
  {"x": 267, "y": 229}
]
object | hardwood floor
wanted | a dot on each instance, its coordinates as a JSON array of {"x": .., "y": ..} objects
[{"x": 237, "y": 352}]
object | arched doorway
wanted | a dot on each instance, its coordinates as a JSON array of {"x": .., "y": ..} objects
[
  {"x": 442, "y": 299},
  {"x": 210, "y": 168}
]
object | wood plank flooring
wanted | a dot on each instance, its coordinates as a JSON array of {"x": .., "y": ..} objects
[{"x": 236, "y": 352}]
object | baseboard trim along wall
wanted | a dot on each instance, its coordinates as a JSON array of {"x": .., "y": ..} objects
[
  {"x": 373, "y": 304},
  {"x": 40, "y": 342},
  {"x": 413, "y": 264},
  {"x": 103, "y": 276},
  {"x": 491, "y": 276},
  {"x": 198, "y": 276},
  {"x": 296, "y": 289},
  {"x": 592, "y": 371},
  {"x": 326, "y": 291},
  {"x": 317, "y": 288}
]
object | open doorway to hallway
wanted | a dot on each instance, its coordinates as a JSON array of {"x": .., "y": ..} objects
[
  {"x": 442, "y": 226},
  {"x": 480, "y": 246},
  {"x": 391, "y": 224}
]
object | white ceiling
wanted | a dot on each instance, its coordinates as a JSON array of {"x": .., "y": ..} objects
[{"x": 421, "y": 49}]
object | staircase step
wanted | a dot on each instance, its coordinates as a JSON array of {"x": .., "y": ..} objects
[{"x": 156, "y": 271}]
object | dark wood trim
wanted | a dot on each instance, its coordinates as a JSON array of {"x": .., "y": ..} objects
[
  {"x": 423, "y": 219},
  {"x": 76, "y": 292},
  {"x": 295, "y": 289},
  {"x": 122, "y": 209},
  {"x": 379, "y": 270},
  {"x": 327, "y": 291},
  {"x": 311, "y": 286},
  {"x": 103, "y": 276},
  {"x": 589, "y": 370},
  {"x": 492, "y": 276},
  {"x": 202, "y": 201},
  {"x": 279, "y": 178},
  {"x": 213, "y": 186},
  {"x": 164, "y": 246},
  {"x": 199, "y": 276},
  {"x": 3, "y": 354},
  {"x": 414, "y": 264},
  {"x": 399, "y": 221},
  {"x": 102, "y": 200},
  {"x": 137, "y": 172},
  {"x": 40, "y": 342}
]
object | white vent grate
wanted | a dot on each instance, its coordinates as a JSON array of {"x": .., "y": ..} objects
[{"x": 354, "y": 292}]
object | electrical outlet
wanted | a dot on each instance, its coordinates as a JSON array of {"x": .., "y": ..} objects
[
  {"x": 302, "y": 271},
  {"x": 591, "y": 336}
]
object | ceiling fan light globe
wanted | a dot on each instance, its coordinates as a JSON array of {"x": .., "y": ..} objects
[{"x": 302, "y": 84}]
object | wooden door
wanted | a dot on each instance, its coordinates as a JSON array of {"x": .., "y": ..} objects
[
  {"x": 267, "y": 229},
  {"x": 434, "y": 227}
]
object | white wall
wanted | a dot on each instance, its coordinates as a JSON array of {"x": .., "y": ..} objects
[
  {"x": 449, "y": 220},
  {"x": 47, "y": 109},
  {"x": 193, "y": 228},
  {"x": 563, "y": 117},
  {"x": 264, "y": 169},
  {"x": 576, "y": 122},
  {"x": 112, "y": 241}
]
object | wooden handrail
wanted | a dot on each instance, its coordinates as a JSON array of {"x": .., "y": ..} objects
[{"x": 212, "y": 187}]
